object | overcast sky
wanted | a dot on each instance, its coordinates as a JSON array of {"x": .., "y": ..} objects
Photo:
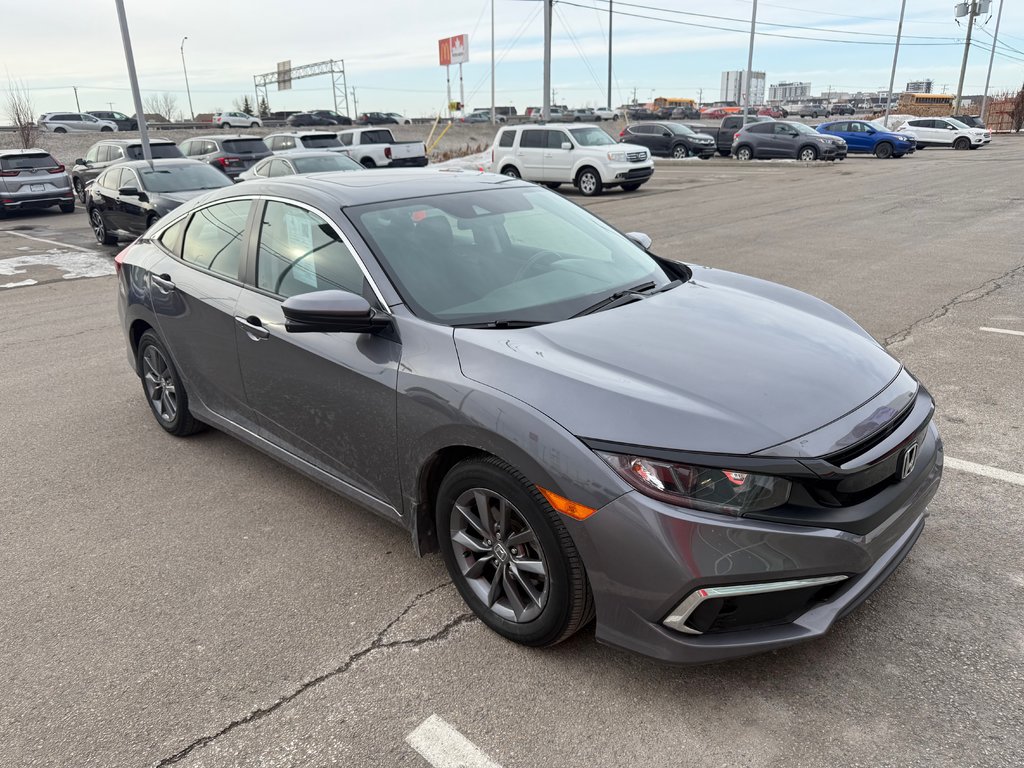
[{"x": 390, "y": 49}]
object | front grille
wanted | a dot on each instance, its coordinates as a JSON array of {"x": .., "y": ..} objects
[
  {"x": 733, "y": 614},
  {"x": 870, "y": 441},
  {"x": 636, "y": 157}
]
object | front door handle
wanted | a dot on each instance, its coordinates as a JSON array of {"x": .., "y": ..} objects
[
  {"x": 163, "y": 282},
  {"x": 253, "y": 327}
]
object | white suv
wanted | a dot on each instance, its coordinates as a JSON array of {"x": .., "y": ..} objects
[
  {"x": 236, "y": 120},
  {"x": 582, "y": 155},
  {"x": 945, "y": 132}
]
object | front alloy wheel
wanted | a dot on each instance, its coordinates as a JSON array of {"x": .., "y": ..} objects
[
  {"x": 589, "y": 182},
  {"x": 808, "y": 154},
  {"x": 679, "y": 152}
]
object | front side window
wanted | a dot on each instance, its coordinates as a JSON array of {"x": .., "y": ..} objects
[
  {"x": 300, "y": 252},
  {"x": 94, "y": 154},
  {"x": 556, "y": 139},
  {"x": 213, "y": 239}
]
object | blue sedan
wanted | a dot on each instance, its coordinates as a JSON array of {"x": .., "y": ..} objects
[{"x": 869, "y": 138}]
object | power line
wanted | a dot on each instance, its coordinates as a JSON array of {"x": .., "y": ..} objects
[{"x": 579, "y": 50}]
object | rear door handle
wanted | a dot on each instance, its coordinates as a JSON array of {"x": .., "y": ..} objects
[
  {"x": 163, "y": 282},
  {"x": 253, "y": 327}
]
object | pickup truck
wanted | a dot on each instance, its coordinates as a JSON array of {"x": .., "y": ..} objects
[
  {"x": 724, "y": 133},
  {"x": 373, "y": 147}
]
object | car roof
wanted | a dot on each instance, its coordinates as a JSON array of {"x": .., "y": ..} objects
[
  {"x": 168, "y": 162},
  {"x": 297, "y": 133},
  {"x": 33, "y": 151},
  {"x": 303, "y": 155},
  {"x": 340, "y": 189},
  {"x": 133, "y": 142},
  {"x": 224, "y": 136}
]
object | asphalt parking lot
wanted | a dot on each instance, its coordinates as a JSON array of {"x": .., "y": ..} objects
[{"x": 192, "y": 602}]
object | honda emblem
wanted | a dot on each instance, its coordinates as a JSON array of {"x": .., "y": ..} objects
[{"x": 909, "y": 460}]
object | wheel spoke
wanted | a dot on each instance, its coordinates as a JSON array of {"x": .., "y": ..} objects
[
  {"x": 532, "y": 566},
  {"x": 523, "y": 537},
  {"x": 503, "y": 515},
  {"x": 529, "y": 590},
  {"x": 495, "y": 590},
  {"x": 484, "y": 511},
  {"x": 514, "y": 600},
  {"x": 476, "y": 570},
  {"x": 463, "y": 538},
  {"x": 471, "y": 519}
]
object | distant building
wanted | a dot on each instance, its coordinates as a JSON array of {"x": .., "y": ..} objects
[
  {"x": 789, "y": 92},
  {"x": 919, "y": 86},
  {"x": 734, "y": 86}
]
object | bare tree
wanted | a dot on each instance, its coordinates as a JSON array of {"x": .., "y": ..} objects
[
  {"x": 21, "y": 113},
  {"x": 164, "y": 104}
]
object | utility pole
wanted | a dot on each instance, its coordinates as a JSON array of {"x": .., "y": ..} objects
[
  {"x": 895, "y": 57},
  {"x": 988, "y": 77},
  {"x": 700, "y": 96},
  {"x": 77, "y": 105},
  {"x": 494, "y": 117},
  {"x": 191, "y": 111},
  {"x": 972, "y": 12},
  {"x": 111, "y": 105},
  {"x": 355, "y": 104},
  {"x": 750, "y": 61},
  {"x": 609, "y": 54},
  {"x": 545, "y": 113},
  {"x": 133, "y": 80}
]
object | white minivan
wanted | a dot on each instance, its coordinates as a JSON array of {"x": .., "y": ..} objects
[{"x": 582, "y": 155}]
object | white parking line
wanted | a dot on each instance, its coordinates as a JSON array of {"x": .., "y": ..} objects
[
  {"x": 43, "y": 240},
  {"x": 444, "y": 747},
  {"x": 1002, "y": 330},
  {"x": 985, "y": 471}
]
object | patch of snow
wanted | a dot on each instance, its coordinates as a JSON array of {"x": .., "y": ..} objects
[
  {"x": 19, "y": 284},
  {"x": 478, "y": 162},
  {"x": 73, "y": 264}
]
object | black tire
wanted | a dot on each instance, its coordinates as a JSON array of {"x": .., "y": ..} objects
[
  {"x": 151, "y": 220},
  {"x": 724, "y": 152},
  {"x": 60, "y": 130},
  {"x": 367, "y": 162},
  {"x": 962, "y": 143},
  {"x": 106, "y": 129},
  {"x": 807, "y": 154},
  {"x": 552, "y": 184},
  {"x": 883, "y": 151},
  {"x": 679, "y": 151},
  {"x": 632, "y": 187},
  {"x": 182, "y": 423},
  {"x": 511, "y": 170},
  {"x": 254, "y": 125},
  {"x": 588, "y": 182},
  {"x": 744, "y": 153},
  {"x": 67, "y": 207},
  {"x": 79, "y": 188},
  {"x": 225, "y": 125},
  {"x": 99, "y": 228},
  {"x": 567, "y": 601}
]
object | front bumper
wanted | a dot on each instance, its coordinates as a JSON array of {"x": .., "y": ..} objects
[
  {"x": 619, "y": 173},
  {"x": 662, "y": 555}
]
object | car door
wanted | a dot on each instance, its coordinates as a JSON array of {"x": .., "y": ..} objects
[
  {"x": 533, "y": 143},
  {"x": 329, "y": 398},
  {"x": 557, "y": 160},
  {"x": 194, "y": 288},
  {"x": 133, "y": 211},
  {"x": 924, "y": 131},
  {"x": 661, "y": 140},
  {"x": 945, "y": 132},
  {"x": 103, "y": 196},
  {"x": 857, "y": 139}
]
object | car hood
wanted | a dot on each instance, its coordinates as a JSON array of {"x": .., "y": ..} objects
[
  {"x": 174, "y": 199},
  {"x": 721, "y": 364}
]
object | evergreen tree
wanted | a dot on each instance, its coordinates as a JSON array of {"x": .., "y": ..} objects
[
  {"x": 246, "y": 106},
  {"x": 264, "y": 107}
]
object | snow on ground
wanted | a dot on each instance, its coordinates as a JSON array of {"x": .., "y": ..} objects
[
  {"x": 478, "y": 162},
  {"x": 72, "y": 263}
]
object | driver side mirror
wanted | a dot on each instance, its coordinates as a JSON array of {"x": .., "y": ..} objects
[
  {"x": 133, "y": 192},
  {"x": 566, "y": 145},
  {"x": 81, "y": 161},
  {"x": 640, "y": 239},
  {"x": 332, "y": 312}
]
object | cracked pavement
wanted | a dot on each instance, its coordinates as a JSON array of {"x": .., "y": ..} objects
[{"x": 193, "y": 603}]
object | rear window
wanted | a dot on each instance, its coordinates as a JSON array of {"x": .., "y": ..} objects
[
  {"x": 507, "y": 137},
  {"x": 320, "y": 141},
  {"x": 27, "y": 162},
  {"x": 245, "y": 146},
  {"x": 376, "y": 137},
  {"x": 158, "y": 150}
]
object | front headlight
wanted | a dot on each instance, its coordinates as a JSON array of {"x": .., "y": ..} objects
[
  {"x": 724, "y": 491},
  {"x": 617, "y": 157}
]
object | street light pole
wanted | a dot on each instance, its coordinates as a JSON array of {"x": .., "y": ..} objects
[
  {"x": 545, "y": 113},
  {"x": 750, "y": 61},
  {"x": 991, "y": 58},
  {"x": 183, "y": 69},
  {"x": 972, "y": 13},
  {"x": 77, "y": 105},
  {"x": 133, "y": 81},
  {"x": 895, "y": 56}
]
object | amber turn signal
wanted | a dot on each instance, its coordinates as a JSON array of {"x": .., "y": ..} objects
[{"x": 566, "y": 507}]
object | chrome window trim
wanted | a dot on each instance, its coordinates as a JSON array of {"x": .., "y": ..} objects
[{"x": 682, "y": 612}]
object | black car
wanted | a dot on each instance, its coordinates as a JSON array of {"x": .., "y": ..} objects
[
  {"x": 108, "y": 152},
  {"x": 971, "y": 121},
  {"x": 841, "y": 109},
  {"x": 317, "y": 117},
  {"x": 229, "y": 154},
  {"x": 127, "y": 199},
  {"x": 669, "y": 139},
  {"x": 685, "y": 113},
  {"x": 124, "y": 123},
  {"x": 643, "y": 114},
  {"x": 376, "y": 118}
]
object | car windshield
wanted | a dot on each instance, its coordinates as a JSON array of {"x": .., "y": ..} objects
[
  {"x": 591, "y": 137},
  {"x": 680, "y": 130},
  {"x": 957, "y": 123},
  {"x": 804, "y": 128},
  {"x": 323, "y": 164},
  {"x": 502, "y": 255},
  {"x": 163, "y": 151},
  {"x": 182, "y": 178}
]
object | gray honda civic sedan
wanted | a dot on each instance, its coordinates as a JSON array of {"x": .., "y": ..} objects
[{"x": 709, "y": 464}]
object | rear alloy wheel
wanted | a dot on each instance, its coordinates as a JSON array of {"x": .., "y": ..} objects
[
  {"x": 962, "y": 143},
  {"x": 883, "y": 151},
  {"x": 254, "y": 125},
  {"x": 808, "y": 154},
  {"x": 164, "y": 391},
  {"x": 79, "y": 189},
  {"x": 99, "y": 228},
  {"x": 679, "y": 151},
  {"x": 744, "y": 154},
  {"x": 510, "y": 170},
  {"x": 509, "y": 554},
  {"x": 106, "y": 129},
  {"x": 589, "y": 182}
]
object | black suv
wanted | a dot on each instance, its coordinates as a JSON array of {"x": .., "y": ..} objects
[
  {"x": 375, "y": 118},
  {"x": 108, "y": 152},
  {"x": 318, "y": 117},
  {"x": 230, "y": 154},
  {"x": 124, "y": 123},
  {"x": 841, "y": 109},
  {"x": 971, "y": 121},
  {"x": 669, "y": 140}
]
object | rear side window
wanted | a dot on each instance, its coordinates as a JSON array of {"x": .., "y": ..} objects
[
  {"x": 506, "y": 139},
  {"x": 760, "y": 128},
  {"x": 245, "y": 146},
  {"x": 27, "y": 162},
  {"x": 213, "y": 239},
  {"x": 346, "y": 139}
]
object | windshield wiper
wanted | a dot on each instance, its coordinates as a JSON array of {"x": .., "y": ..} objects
[
  {"x": 502, "y": 324},
  {"x": 618, "y": 298}
]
